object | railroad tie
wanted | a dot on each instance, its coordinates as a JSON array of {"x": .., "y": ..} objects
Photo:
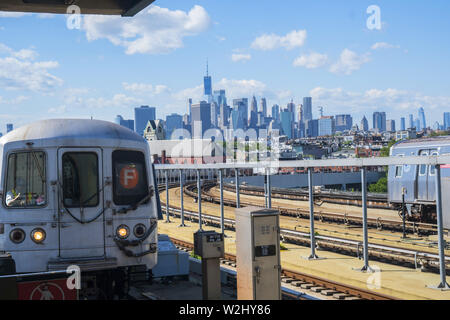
[
  {"x": 286, "y": 279},
  {"x": 342, "y": 296},
  {"x": 297, "y": 283},
  {"x": 317, "y": 289},
  {"x": 306, "y": 286},
  {"x": 328, "y": 292}
]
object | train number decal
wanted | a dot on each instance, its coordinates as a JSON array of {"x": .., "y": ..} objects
[{"x": 129, "y": 177}]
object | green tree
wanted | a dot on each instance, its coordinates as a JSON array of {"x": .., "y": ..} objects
[{"x": 380, "y": 186}]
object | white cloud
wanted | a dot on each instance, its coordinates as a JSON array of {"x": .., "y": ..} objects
[
  {"x": 4, "y": 14},
  {"x": 349, "y": 62},
  {"x": 384, "y": 45},
  {"x": 145, "y": 88},
  {"x": 293, "y": 39},
  {"x": 154, "y": 31},
  {"x": 394, "y": 101},
  {"x": 18, "y": 71},
  {"x": 13, "y": 101},
  {"x": 311, "y": 61},
  {"x": 236, "y": 57}
]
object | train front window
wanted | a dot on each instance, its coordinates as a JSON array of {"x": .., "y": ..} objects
[
  {"x": 130, "y": 183},
  {"x": 80, "y": 179},
  {"x": 26, "y": 182},
  {"x": 423, "y": 167}
]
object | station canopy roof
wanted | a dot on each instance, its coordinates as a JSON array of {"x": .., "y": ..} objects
[{"x": 112, "y": 7}]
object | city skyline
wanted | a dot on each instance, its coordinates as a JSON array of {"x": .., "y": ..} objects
[{"x": 97, "y": 72}]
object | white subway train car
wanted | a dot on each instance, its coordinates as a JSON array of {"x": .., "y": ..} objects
[{"x": 77, "y": 192}]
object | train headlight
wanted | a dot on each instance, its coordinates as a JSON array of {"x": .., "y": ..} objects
[
  {"x": 38, "y": 235},
  {"x": 17, "y": 235},
  {"x": 123, "y": 231},
  {"x": 139, "y": 230}
]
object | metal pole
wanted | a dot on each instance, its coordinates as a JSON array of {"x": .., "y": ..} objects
[
  {"x": 222, "y": 217},
  {"x": 443, "y": 285},
  {"x": 269, "y": 190},
  {"x": 365, "y": 235},
  {"x": 167, "y": 197},
  {"x": 311, "y": 216},
  {"x": 199, "y": 199},
  {"x": 265, "y": 190},
  {"x": 403, "y": 213},
  {"x": 236, "y": 172},
  {"x": 182, "y": 198}
]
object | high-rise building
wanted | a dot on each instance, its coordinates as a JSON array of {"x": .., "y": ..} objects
[
  {"x": 253, "y": 113},
  {"x": 390, "y": 126},
  {"x": 417, "y": 124},
  {"x": 423, "y": 123},
  {"x": 240, "y": 114},
  {"x": 220, "y": 97},
  {"x": 379, "y": 121},
  {"x": 9, "y": 127},
  {"x": 126, "y": 123},
  {"x": 276, "y": 113},
  {"x": 411, "y": 122},
  {"x": 263, "y": 107},
  {"x": 201, "y": 114},
  {"x": 446, "y": 120},
  {"x": 343, "y": 122},
  {"x": 173, "y": 122},
  {"x": 207, "y": 84},
  {"x": 402, "y": 124},
  {"x": 291, "y": 108},
  {"x": 364, "y": 124},
  {"x": 286, "y": 123},
  {"x": 307, "y": 109},
  {"x": 189, "y": 110},
  {"x": 312, "y": 128},
  {"x": 224, "y": 115},
  {"x": 142, "y": 116},
  {"x": 327, "y": 126},
  {"x": 214, "y": 114}
]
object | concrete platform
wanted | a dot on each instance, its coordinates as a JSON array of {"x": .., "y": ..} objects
[{"x": 400, "y": 282}]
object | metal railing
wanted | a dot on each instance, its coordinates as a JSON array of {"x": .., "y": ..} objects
[{"x": 362, "y": 163}]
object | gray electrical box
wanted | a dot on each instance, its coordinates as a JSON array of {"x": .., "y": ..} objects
[
  {"x": 208, "y": 244},
  {"x": 258, "y": 254}
]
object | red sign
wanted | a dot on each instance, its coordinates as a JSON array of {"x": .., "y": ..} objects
[
  {"x": 46, "y": 290},
  {"x": 445, "y": 166},
  {"x": 129, "y": 177}
]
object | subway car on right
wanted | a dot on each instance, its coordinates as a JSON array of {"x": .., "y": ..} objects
[{"x": 418, "y": 182}]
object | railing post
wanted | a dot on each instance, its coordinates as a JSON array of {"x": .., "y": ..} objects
[
  {"x": 441, "y": 242},
  {"x": 311, "y": 216},
  {"x": 236, "y": 172},
  {"x": 199, "y": 199},
  {"x": 366, "y": 267},
  {"x": 222, "y": 213},
  {"x": 269, "y": 189},
  {"x": 167, "y": 196},
  {"x": 182, "y": 198}
]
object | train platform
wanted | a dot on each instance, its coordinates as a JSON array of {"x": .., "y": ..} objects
[{"x": 396, "y": 281}]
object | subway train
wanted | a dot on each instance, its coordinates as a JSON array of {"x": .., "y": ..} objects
[
  {"x": 77, "y": 193},
  {"x": 418, "y": 182}
]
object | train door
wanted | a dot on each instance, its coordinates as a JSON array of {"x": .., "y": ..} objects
[
  {"x": 422, "y": 179},
  {"x": 81, "y": 220},
  {"x": 432, "y": 179}
]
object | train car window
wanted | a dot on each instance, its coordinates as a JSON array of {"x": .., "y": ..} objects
[
  {"x": 130, "y": 183},
  {"x": 80, "y": 179},
  {"x": 433, "y": 168},
  {"x": 423, "y": 167},
  {"x": 398, "y": 171},
  {"x": 26, "y": 180}
]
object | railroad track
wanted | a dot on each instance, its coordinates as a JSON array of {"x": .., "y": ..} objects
[
  {"x": 306, "y": 282},
  {"x": 410, "y": 258},
  {"x": 322, "y": 215}
]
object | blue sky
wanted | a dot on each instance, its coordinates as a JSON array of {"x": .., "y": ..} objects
[{"x": 281, "y": 51}]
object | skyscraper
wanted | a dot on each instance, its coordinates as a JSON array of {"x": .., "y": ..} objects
[
  {"x": 286, "y": 123},
  {"x": 446, "y": 120},
  {"x": 126, "y": 123},
  {"x": 364, "y": 124},
  {"x": 263, "y": 107},
  {"x": 276, "y": 113},
  {"x": 253, "y": 113},
  {"x": 307, "y": 108},
  {"x": 379, "y": 121},
  {"x": 326, "y": 126},
  {"x": 411, "y": 122},
  {"x": 173, "y": 122},
  {"x": 141, "y": 117},
  {"x": 291, "y": 108},
  {"x": 312, "y": 128},
  {"x": 201, "y": 113},
  {"x": 207, "y": 85},
  {"x": 402, "y": 123},
  {"x": 423, "y": 123},
  {"x": 240, "y": 114},
  {"x": 390, "y": 126},
  {"x": 343, "y": 122}
]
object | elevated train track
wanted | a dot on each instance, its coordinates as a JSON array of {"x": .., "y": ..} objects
[{"x": 321, "y": 214}]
